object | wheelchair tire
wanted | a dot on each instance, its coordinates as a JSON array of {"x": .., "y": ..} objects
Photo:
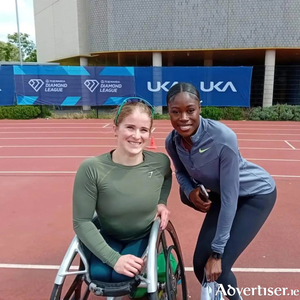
[
  {"x": 162, "y": 247},
  {"x": 73, "y": 292},
  {"x": 175, "y": 279}
]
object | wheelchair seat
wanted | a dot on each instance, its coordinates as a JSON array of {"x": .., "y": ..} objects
[{"x": 156, "y": 280}]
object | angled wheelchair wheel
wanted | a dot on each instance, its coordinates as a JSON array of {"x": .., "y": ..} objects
[
  {"x": 170, "y": 267},
  {"x": 72, "y": 285}
]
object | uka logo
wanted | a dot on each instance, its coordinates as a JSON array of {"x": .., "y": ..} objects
[
  {"x": 91, "y": 84},
  {"x": 219, "y": 86},
  {"x": 36, "y": 84}
]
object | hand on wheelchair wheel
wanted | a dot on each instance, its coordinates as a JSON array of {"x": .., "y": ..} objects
[{"x": 129, "y": 265}]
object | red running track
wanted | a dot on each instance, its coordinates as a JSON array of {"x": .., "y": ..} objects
[{"x": 38, "y": 161}]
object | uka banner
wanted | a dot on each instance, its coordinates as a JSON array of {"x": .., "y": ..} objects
[
  {"x": 218, "y": 86},
  {"x": 71, "y": 86},
  {"x": 7, "y": 87}
]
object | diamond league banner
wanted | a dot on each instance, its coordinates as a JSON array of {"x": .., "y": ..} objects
[
  {"x": 7, "y": 86},
  {"x": 218, "y": 86},
  {"x": 73, "y": 85}
]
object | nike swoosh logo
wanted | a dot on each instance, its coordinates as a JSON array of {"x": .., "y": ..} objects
[{"x": 203, "y": 150}]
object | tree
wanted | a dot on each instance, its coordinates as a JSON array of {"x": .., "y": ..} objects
[
  {"x": 8, "y": 52},
  {"x": 28, "y": 48}
]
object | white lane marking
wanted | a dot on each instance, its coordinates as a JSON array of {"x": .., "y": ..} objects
[
  {"x": 74, "y": 172},
  {"x": 105, "y": 146},
  {"x": 290, "y": 145},
  {"x": 37, "y": 172},
  {"x": 87, "y": 156},
  {"x": 188, "y": 269}
]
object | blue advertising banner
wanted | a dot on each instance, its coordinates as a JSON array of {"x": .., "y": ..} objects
[
  {"x": 95, "y": 86},
  {"x": 71, "y": 86},
  {"x": 218, "y": 86},
  {"x": 7, "y": 87}
]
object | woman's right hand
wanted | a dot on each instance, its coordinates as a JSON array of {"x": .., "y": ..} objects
[
  {"x": 129, "y": 265},
  {"x": 200, "y": 205}
]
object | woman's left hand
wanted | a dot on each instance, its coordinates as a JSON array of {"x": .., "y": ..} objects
[
  {"x": 213, "y": 269},
  {"x": 163, "y": 213}
]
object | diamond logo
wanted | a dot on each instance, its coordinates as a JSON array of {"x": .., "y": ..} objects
[
  {"x": 36, "y": 84},
  {"x": 91, "y": 84}
]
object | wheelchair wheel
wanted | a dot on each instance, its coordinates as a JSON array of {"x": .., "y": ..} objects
[
  {"x": 175, "y": 282},
  {"x": 71, "y": 289},
  {"x": 171, "y": 274}
]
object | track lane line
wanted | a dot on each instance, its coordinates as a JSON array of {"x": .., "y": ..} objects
[
  {"x": 188, "y": 269},
  {"x": 290, "y": 145}
]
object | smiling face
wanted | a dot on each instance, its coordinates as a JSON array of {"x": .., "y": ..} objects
[
  {"x": 184, "y": 110},
  {"x": 133, "y": 133}
]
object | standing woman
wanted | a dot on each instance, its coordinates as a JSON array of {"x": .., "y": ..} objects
[
  {"x": 241, "y": 195},
  {"x": 127, "y": 187}
]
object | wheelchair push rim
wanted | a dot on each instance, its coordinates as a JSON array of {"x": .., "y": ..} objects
[{"x": 172, "y": 284}]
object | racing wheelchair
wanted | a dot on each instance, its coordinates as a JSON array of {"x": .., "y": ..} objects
[{"x": 163, "y": 276}]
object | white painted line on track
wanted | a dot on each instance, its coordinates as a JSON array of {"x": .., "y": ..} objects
[
  {"x": 265, "y": 129},
  {"x": 106, "y": 125},
  {"x": 264, "y": 140},
  {"x": 51, "y": 127},
  {"x": 100, "y": 125},
  {"x": 286, "y": 176},
  {"x": 188, "y": 269},
  {"x": 113, "y": 138},
  {"x": 106, "y": 146},
  {"x": 274, "y": 159},
  {"x": 278, "y": 176},
  {"x": 156, "y": 132},
  {"x": 257, "y": 270},
  {"x": 152, "y": 129},
  {"x": 74, "y": 172},
  {"x": 58, "y": 146},
  {"x": 290, "y": 145},
  {"x": 37, "y": 172},
  {"x": 44, "y": 156},
  {"x": 23, "y": 124},
  {"x": 60, "y": 138},
  {"x": 254, "y": 148},
  {"x": 87, "y": 156}
]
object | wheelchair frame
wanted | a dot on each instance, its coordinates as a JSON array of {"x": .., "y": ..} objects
[{"x": 113, "y": 290}]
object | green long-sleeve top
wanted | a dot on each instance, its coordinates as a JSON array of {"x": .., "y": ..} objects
[{"x": 125, "y": 199}]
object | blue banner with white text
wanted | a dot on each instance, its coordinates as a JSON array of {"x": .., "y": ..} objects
[
  {"x": 72, "y": 85},
  {"x": 96, "y": 86},
  {"x": 218, "y": 86},
  {"x": 7, "y": 87}
]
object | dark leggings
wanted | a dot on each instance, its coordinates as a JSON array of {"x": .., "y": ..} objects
[{"x": 251, "y": 214}]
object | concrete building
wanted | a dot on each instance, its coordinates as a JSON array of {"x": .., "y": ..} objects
[{"x": 260, "y": 33}]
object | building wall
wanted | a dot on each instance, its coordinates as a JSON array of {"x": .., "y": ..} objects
[
  {"x": 61, "y": 29},
  {"x": 122, "y": 25}
]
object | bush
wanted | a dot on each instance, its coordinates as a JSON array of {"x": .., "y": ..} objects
[
  {"x": 276, "y": 112},
  {"x": 296, "y": 113},
  {"x": 211, "y": 112},
  {"x": 285, "y": 112},
  {"x": 19, "y": 112},
  {"x": 161, "y": 117},
  {"x": 232, "y": 113},
  {"x": 45, "y": 112}
]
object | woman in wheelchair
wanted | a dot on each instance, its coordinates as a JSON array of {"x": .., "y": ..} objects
[{"x": 128, "y": 188}]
